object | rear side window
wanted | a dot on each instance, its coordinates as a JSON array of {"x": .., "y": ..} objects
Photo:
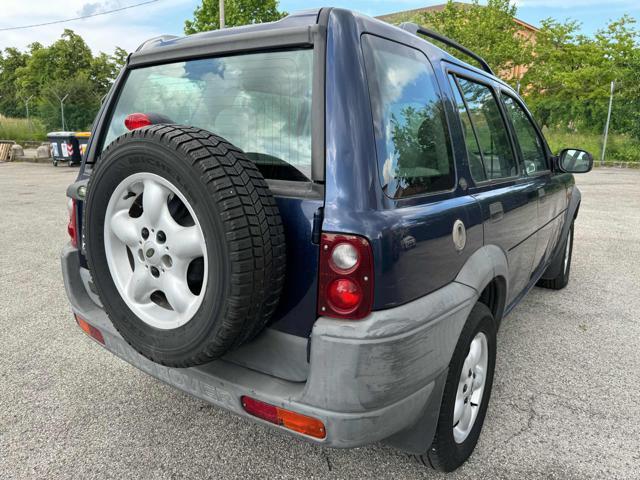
[
  {"x": 259, "y": 102},
  {"x": 533, "y": 153},
  {"x": 412, "y": 140},
  {"x": 490, "y": 130}
]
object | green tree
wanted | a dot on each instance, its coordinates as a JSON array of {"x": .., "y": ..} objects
[
  {"x": 67, "y": 67},
  {"x": 236, "y": 12},
  {"x": 568, "y": 84},
  {"x": 10, "y": 61},
  {"x": 490, "y": 30}
]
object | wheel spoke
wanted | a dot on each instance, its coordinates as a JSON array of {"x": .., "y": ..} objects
[
  {"x": 139, "y": 286},
  {"x": 125, "y": 228},
  {"x": 465, "y": 419},
  {"x": 178, "y": 294},
  {"x": 154, "y": 202},
  {"x": 458, "y": 409},
  {"x": 474, "y": 353},
  {"x": 187, "y": 242}
]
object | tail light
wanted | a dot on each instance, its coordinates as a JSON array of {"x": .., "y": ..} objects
[
  {"x": 285, "y": 418},
  {"x": 134, "y": 121},
  {"x": 346, "y": 276},
  {"x": 72, "y": 226}
]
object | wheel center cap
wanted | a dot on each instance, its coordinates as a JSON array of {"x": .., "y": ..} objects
[{"x": 151, "y": 253}]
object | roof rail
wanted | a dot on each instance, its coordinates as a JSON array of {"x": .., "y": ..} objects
[{"x": 417, "y": 29}]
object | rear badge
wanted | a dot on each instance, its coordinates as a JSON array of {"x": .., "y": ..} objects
[{"x": 459, "y": 235}]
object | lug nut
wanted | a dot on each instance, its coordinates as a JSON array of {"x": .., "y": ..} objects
[
  {"x": 155, "y": 272},
  {"x": 161, "y": 237},
  {"x": 145, "y": 233}
]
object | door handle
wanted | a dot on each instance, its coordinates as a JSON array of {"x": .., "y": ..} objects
[{"x": 496, "y": 211}]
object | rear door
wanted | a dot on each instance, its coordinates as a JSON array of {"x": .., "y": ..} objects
[
  {"x": 552, "y": 199},
  {"x": 508, "y": 198}
]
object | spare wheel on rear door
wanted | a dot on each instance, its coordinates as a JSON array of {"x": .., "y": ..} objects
[{"x": 184, "y": 242}]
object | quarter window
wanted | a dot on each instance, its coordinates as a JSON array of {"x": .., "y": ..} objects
[
  {"x": 531, "y": 149},
  {"x": 412, "y": 140},
  {"x": 490, "y": 130}
]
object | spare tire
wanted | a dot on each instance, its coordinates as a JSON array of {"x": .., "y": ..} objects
[{"x": 184, "y": 243}]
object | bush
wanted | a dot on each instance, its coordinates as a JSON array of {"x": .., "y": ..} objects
[
  {"x": 21, "y": 129},
  {"x": 620, "y": 148}
]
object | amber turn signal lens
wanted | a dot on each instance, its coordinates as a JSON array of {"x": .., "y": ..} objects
[
  {"x": 90, "y": 330},
  {"x": 285, "y": 418}
]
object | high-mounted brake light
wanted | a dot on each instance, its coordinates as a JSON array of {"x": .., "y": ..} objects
[
  {"x": 134, "y": 121},
  {"x": 346, "y": 276},
  {"x": 72, "y": 226},
  {"x": 285, "y": 418}
]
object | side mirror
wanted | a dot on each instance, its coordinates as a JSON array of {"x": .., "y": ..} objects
[{"x": 574, "y": 160}]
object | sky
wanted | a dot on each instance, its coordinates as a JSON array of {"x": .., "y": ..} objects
[{"x": 129, "y": 28}]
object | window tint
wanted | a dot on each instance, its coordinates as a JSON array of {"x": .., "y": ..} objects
[
  {"x": 259, "y": 102},
  {"x": 533, "y": 153},
  {"x": 491, "y": 132},
  {"x": 412, "y": 141},
  {"x": 473, "y": 149}
]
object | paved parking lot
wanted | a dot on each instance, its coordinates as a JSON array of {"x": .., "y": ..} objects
[{"x": 565, "y": 403}]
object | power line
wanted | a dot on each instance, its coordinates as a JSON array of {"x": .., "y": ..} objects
[{"x": 79, "y": 18}]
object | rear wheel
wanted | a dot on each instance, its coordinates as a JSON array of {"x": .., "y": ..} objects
[{"x": 466, "y": 394}]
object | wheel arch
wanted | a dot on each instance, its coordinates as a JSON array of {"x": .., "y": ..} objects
[{"x": 486, "y": 271}]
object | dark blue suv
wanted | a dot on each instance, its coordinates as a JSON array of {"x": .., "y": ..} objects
[{"x": 319, "y": 224}]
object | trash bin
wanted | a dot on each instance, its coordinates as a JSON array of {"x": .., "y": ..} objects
[{"x": 68, "y": 146}]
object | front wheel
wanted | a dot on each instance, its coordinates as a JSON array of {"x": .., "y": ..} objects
[
  {"x": 562, "y": 279},
  {"x": 466, "y": 394}
]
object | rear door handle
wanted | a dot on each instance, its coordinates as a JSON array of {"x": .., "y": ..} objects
[{"x": 496, "y": 212}]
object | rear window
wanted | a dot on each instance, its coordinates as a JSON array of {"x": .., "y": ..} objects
[
  {"x": 412, "y": 140},
  {"x": 259, "y": 102}
]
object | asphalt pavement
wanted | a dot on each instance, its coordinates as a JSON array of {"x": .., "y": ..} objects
[{"x": 565, "y": 403}]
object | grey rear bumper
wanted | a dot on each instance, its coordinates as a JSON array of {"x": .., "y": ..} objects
[{"x": 368, "y": 380}]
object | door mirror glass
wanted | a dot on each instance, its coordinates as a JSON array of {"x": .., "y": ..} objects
[{"x": 573, "y": 160}]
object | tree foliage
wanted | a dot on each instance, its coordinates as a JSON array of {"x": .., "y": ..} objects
[
  {"x": 568, "y": 84},
  {"x": 46, "y": 74},
  {"x": 236, "y": 12},
  {"x": 488, "y": 30}
]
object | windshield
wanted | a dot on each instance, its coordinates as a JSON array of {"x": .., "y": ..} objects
[{"x": 259, "y": 102}]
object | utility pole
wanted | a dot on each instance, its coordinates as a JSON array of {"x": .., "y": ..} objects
[
  {"x": 221, "y": 14},
  {"x": 61, "y": 100},
  {"x": 606, "y": 127}
]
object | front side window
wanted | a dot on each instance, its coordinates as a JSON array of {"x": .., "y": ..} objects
[
  {"x": 412, "y": 140},
  {"x": 259, "y": 102},
  {"x": 531, "y": 148},
  {"x": 491, "y": 132}
]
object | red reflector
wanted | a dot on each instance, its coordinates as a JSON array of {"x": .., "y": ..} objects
[
  {"x": 344, "y": 295},
  {"x": 72, "y": 226},
  {"x": 89, "y": 329},
  {"x": 260, "y": 409},
  {"x": 134, "y": 121},
  {"x": 285, "y": 418}
]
